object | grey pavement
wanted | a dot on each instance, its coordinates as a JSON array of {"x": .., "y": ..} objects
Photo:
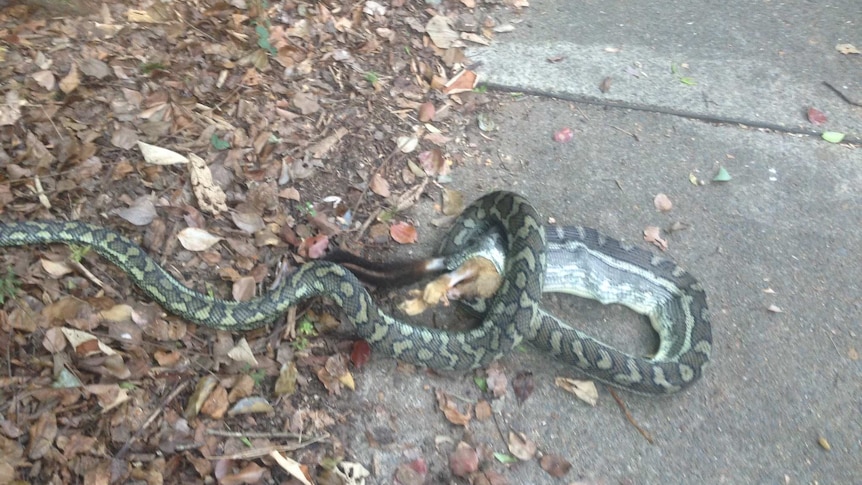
[{"x": 785, "y": 231}]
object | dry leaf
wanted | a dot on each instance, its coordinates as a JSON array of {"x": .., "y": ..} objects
[
  {"x": 248, "y": 405},
  {"x": 652, "y": 234},
  {"x": 242, "y": 353},
  {"x": 464, "y": 81},
  {"x": 211, "y": 198},
  {"x": 522, "y": 447},
  {"x": 555, "y": 465},
  {"x": 464, "y": 460},
  {"x": 426, "y": 111},
  {"x": 446, "y": 404},
  {"x": 71, "y": 81},
  {"x": 45, "y": 79},
  {"x": 292, "y": 467},
  {"x": 403, "y": 233},
  {"x": 195, "y": 239},
  {"x": 160, "y": 156},
  {"x": 662, "y": 203},
  {"x": 55, "y": 269},
  {"x": 774, "y": 309},
  {"x": 379, "y": 185},
  {"x": 439, "y": 28},
  {"x": 319, "y": 149},
  {"x": 847, "y": 49},
  {"x": 140, "y": 213},
  {"x": 584, "y": 390},
  {"x": 605, "y": 85}
]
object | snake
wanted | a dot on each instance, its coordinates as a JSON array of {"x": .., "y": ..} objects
[{"x": 501, "y": 224}]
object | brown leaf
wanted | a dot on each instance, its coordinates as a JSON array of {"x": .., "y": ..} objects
[
  {"x": 453, "y": 202},
  {"x": 450, "y": 409},
  {"x": 427, "y": 111},
  {"x": 360, "y": 353},
  {"x": 313, "y": 247},
  {"x": 71, "y": 81},
  {"x": 497, "y": 380},
  {"x": 464, "y": 460},
  {"x": 243, "y": 289},
  {"x": 816, "y": 116},
  {"x": 483, "y": 410},
  {"x": 662, "y": 203},
  {"x": 555, "y": 465},
  {"x": 285, "y": 385},
  {"x": 652, "y": 234},
  {"x": 584, "y": 390},
  {"x": 523, "y": 385},
  {"x": 403, "y": 233},
  {"x": 42, "y": 435},
  {"x": 520, "y": 446},
  {"x": 250, "y": 473},
  {"x": 464, "y": 81},
  {"x": 379, "y": 185},
  {"x": 605, "y": 85},
  {"x": 215, "y": 406}
]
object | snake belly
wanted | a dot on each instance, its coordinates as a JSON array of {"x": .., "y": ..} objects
[
  {"x": 513, "y": 313},
  {"x": 585, "y": 263}
]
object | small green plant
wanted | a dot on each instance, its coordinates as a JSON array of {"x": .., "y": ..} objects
[
  {"x": 258, "y": 376},
  {"x": 481, "y": 89},
  {"x": 78, "y": 252},
  {"x": 307, "y": 209},
  {"x": 9, "y": 285},
  {"x": 304, "y": 329},
  {"x": 372, "y": 77},
  {"x": 148, "y": 68}
]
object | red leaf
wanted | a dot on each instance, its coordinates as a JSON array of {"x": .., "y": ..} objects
[
  {"x": 403, "y": 233},
  {"x": 360, "y": 354},
  {"x": 816, "y": 116},
  {"x": 564, "y": 135}
]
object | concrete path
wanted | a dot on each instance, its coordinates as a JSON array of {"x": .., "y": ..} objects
[{"x": 784, "y": 231}]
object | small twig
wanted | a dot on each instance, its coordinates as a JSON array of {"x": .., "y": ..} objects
[
  {"x": 626, "y": 132},
  {"x": 262, "y": 434},
  {"x": 258, "y": 452},
  {"x": 631, "y": 419},
  {"x": 841, "y": 94},
  {"x": 582, "y": 113},
  {"x": 125, "y": 449},
  {"x": 366, "y": 224}
]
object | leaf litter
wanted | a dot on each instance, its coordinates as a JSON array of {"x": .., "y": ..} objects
[{"x": 211, "y": 135}]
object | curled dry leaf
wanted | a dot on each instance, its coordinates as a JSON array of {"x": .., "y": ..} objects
[
  {"x": 211, "y": 198},
  {"x": 662, "y": 203},
  {"x": 815, "y": 116},
  {"x": 379, "y": 185},
  {"x": 555, "y": 465},
  {"x": 141, "y": 213},
  {"x": 652, "y": 234},
  {"x": 463, "y": 82},
  {"x": 403, "y": 233},
  {"x": 584, "y": 390},
  {"x": 195, "y": 239},
  {"x": 160, "y": 156},
  {"x": 464, "y": 460},
  {"x": 521, "y": 446},
  {"x": 446, "y": 404},
  {"x": 202, "y": 391},
  {"x": 426, "y": 111},
  {"x": 251, "y": 405},
  {"x": 242, "y": 353},
  {"x": 564, "y": 135}
]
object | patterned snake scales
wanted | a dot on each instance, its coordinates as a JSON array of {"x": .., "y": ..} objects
[{"x": 583, "y": 263}]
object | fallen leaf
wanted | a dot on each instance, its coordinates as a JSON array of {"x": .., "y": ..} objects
[
  {"x": 71, "y": 81},
  {"x": 407, "y": 144},
  {"x": 450, "y": 409},
  {"x": 497, "y": 380},
  {"x": 833, "y": 136},
  {"x": 722, "y": 175},
  {"x": 246, "y": 405},
  {"x": 250, "y": 473},
  {"x": 211, "y": 198},
  {"x": 824, "y": 443},
  {"x": 403, "y": 233},
  {"x": 439, "y": 28},
  {"x": 847, "y": 49},
  {"x": 242, "y": 353},
  {"x": 379, "y": 185},
  {"x": 521, "y": 447},
  {"x": 45, "y": 79},
  {"x": 605, "y": 86},
  {"x": 584, "y": 390},
  {"x": 464, "y": 460},
  {"x": 140, "y": 213},
  {"x": 564, "y": 135},
  {"x": 291, "y": 466},
  {"x": 662, "y": 203},
  {"x": 464, "y": 81},
  {"x": 313, "y": 247},
  {"x": 426, "y": 111},
  {"x": 55, "y": 269},
  {"x": 160, "y": 156},
  {"x": 774, "y": 309},
  {"x": 555, "y": 465},
  {"x": 195, "y": 239},
  {"x": 360, "y": 353},
  {"x": 523, "y": 385},
  {"x": 483, "y": 410},
  {"x": 816, "y": 116},
  {"x": 652, "y": 234}
]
